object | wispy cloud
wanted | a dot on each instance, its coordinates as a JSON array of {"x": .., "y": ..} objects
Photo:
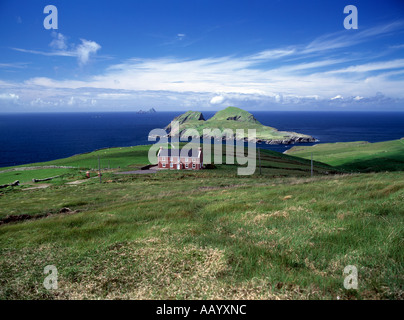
[
  {"x": 60, "y": 47},
  {"x": 374, "y": 66},
  {"x": 14, "y": 65},
  {"x": 59, "y": 41},
  {"x": 343, "y": 39},
  {"x": 398, "y": 46},
  {"x": 46, "y": 53},
  {"x": 272, "y": 54}
]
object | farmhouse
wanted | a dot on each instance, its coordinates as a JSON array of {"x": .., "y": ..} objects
[{"x": 185, "y": 159}]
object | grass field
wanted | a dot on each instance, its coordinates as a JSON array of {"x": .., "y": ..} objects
[
  {"x": 27, "y": 175},
  {"x": 113, "y": 156},
  {"x": 206, "y": 235},
  {"x": 357, "y": 156},
  {"x": 132, "y": 158}
]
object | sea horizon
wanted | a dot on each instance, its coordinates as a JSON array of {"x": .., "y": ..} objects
[{"x": 180, "y": 111}]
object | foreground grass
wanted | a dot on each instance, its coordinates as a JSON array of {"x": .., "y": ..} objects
[
  {"x": 356, "y": 156},
  {"x": 27, "y": 175},
  {"x": 208, "y": 235}
]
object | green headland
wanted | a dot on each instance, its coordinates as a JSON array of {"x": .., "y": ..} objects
[{"x": 233, "y": 118}]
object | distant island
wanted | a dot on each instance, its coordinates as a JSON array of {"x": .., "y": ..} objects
[
  {"x": 235, "y": 118},
  {"x": 152, "y": 110}
]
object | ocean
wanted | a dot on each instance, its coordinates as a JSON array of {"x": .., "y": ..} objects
[{"x": 28, "y": 138}]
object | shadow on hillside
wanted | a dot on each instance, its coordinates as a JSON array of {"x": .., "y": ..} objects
[{"x": 375, "y": 165}]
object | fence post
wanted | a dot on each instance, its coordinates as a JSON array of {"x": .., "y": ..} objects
[
  {"x": 311, "y": 166},
  {"x": 99, "y": 168},
  {"x": 259, "y": 160}
]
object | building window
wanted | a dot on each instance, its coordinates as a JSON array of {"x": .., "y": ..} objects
[
  {"x": 193, "y": 166},
  {"x": 164, "y": 164},
  {"x": 163, "y": 158},
  {"x": 186, "y": 165},
  {"x": 171, "y": 165},
  {"x": 186, "y": 159}
]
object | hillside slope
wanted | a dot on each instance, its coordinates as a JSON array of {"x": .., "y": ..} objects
[
  {"x": 356, "y": 156},
  {"x": 206, "y": 234},
  {"x": 132, "y": 158}
]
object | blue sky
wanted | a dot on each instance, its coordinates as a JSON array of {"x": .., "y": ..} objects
[{"x": 201, "y": 55}]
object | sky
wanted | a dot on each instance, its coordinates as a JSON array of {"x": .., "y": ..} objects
[{"x": 201, "y": 55}]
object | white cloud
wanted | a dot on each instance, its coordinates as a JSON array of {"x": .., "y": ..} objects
[
  {"x": 217, "y": 100},
  {"x": 9, "y": 96},
  {"x": 226, "y": 74},
  {"x": 59, "y": 41},
  {"x": 113, "y": 95},
  {"x": 85, "y": 49},
  {"x": 71, "y": 101},
  {"x": 38, "y": 102},
  {"x": 286, "y": 83},
  {"x": 293, "y": 75}
]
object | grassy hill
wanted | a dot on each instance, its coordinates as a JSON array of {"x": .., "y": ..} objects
[
  {"x": 356, "y": 156},
  {"x": 234, "y": 118},
  {"x": 128, "y": 157},
  {"x": 235, "y": 114},
  {"x": 205, "y": 235},
  {"x": 132, "y": 158}
]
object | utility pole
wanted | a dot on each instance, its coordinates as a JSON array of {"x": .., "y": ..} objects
[
  {"x": 311, "y": 166},
  {"x": 259, "y": 159},
  {"x": 99, "y": 168}
]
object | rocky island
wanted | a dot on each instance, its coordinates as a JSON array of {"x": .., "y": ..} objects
[
  {"x": 235, "y": 118},
  {"x": 152, "y": 110}
]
